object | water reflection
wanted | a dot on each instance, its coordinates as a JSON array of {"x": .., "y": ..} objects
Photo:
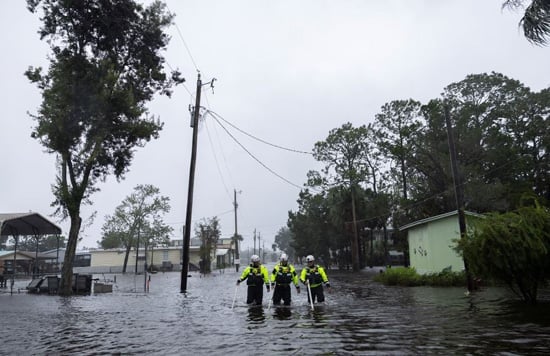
[
  {"x": 282, "y": 312},
  {"x": 360, "y": 317},
  {"x": 256, "y": 314}
]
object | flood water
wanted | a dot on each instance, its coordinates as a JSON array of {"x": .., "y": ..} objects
[{"x": 360, "y": 317}]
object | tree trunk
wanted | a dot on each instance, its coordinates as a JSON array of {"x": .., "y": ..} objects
[
  {"x": 65, "y": 286},
  {"x": 355, "y": 238},
  {"x": 128, "y": 248},
  {"x": 404, "y": 178}
]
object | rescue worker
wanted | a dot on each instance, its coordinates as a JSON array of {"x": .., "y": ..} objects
[
  {"x": 283, "y": 275},
  {"x": 256, "y": 276},
  {"x": 315, "y": 276}
]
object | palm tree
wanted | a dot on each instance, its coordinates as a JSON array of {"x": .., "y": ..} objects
[{"x": 535, "y": 21}]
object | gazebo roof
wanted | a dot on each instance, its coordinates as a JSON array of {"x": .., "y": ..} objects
[{"x": 27, "y": 224}]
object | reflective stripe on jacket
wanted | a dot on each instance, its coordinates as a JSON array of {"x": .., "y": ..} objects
[
  {"x": 284, "y": 275},
  {"x": 315, "y": 275},
  {"x": 255, "y": 275}
]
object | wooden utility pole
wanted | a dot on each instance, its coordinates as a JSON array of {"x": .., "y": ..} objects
[
  {"x": 259, "y": 247},
  {"x": 137, "y": 249},
  {"x": 237, "y": 259},
  {"x": 254, "y": 242},
  {"x": 459, "y": 194},
  {"x": 355, "y": 260},
  {"x": 187, "y": 229}
]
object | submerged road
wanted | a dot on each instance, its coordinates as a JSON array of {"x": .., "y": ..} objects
[{"x": 360, "y": 317}]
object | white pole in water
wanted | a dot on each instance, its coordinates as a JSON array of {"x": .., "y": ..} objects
[
  {"x": 309, "y": 293},
  {"x": 271, "y": 296},
  {"x": 235, "y": 296}
]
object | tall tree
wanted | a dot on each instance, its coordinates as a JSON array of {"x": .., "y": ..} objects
[
  {"x": 208, "y": 231},
  {"x": 105, "y": 66},
  {"x": 491, "y": 114},
  {"x": 283, "y": 241},
  {"x": 528, "y": 128},
  {"x": 345, "y": 152},
  {"x": 311, "y": 227},
  {"x": 137, "y": 220},
  {"x": 396, "y": 126}
]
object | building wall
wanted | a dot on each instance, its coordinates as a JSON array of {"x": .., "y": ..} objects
[
  {"x": 431, "y": 246},
  {"x": 111, "y": 257},
  {"x": 114, "y": 258}
]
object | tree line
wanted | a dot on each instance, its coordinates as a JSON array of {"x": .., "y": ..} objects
[{"x": 397, "y": 169}]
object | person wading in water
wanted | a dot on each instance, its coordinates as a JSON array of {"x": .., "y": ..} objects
[
  {"x": 315, "y": 276},
  {"x": 256, "y": 276},
  {"x": 283, "y": 275}
]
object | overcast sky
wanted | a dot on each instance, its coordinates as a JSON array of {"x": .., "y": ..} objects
[{"x": 287, "y": 72}]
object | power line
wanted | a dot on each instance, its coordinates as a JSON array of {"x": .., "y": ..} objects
[
  {"x": 185, "y": 44},
  {"x": 216, "y": 160},
  {"x": 251, "y": 155},
  {"x": 224, "y": 158},
  {"x": 259, "y": 139}
]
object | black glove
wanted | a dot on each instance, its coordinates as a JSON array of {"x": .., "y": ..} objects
[
  {"x": 238, "y": 281},
  {"x": 327, "y": 284},
  {"x": 267, "y": 286},
  {"x": 272, "y": 285},
  {"x": 298, "y": 289}
]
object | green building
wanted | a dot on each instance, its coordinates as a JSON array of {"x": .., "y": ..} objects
[{"x": 431, "y": 245}]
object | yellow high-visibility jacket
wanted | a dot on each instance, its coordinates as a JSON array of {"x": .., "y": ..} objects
[
  {"x": 316, "y": 276},
  {"x": 255, "y": 275},
  {"x": 284, "y": 275}
]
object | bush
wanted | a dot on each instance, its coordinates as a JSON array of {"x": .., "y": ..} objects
[
  {"x": 513, "y": 248},
  {"x": 445, "y": 279},
  {"x": 403, "y": 276}
]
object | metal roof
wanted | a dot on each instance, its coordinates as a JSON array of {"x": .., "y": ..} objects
[
  {"x": 438, "y": 217},
  {"x": 29, "y": 254},
  {"x": 221, "y": 251},
  {"x": 26, "y": 224}
]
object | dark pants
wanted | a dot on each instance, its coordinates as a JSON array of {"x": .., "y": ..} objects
[
  {"x": 317, "y": 294},
  {"x": 281, "y": 292},
  {"x": 255, "y": 294}
]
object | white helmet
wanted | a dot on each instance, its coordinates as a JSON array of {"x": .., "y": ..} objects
[
  {"x": 284, "y": 257},
  {"x": 255, "y": 258},
  {"x": 310, "y": 258}
]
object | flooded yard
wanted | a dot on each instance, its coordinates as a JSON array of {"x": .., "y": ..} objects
[{"x": 360, "y": 317}]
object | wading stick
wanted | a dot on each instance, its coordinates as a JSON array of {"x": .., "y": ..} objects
[
  {"x": 235, "y": 296},
  {"x": 271, "y": 297},
  {"x": 309, "y": 293}
]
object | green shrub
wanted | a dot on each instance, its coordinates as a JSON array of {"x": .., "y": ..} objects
[
  {"x": 512, "y": 248},
  {"x": 404, "y": 276},
  {"x": 445, "y": 279},
  {"x": 401, "y": 276}
]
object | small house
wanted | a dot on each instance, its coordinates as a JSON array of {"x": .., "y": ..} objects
[{"x": 431, "y": 242}]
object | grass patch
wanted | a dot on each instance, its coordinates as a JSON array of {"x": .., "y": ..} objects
[{"x": 403, "y": 276}]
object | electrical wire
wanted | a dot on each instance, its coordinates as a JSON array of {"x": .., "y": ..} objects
[
  {"x": 186, "y": 46},
  {"x": 251, "y": 155},
  {"x": 259, "y": 139},
  {"x": 216, "y": 160}
]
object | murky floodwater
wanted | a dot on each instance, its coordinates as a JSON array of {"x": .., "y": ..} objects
[{"x": 361, "y": 317}]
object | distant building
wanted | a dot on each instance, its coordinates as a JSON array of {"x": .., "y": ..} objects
[{"x": 167, "y": 258}]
